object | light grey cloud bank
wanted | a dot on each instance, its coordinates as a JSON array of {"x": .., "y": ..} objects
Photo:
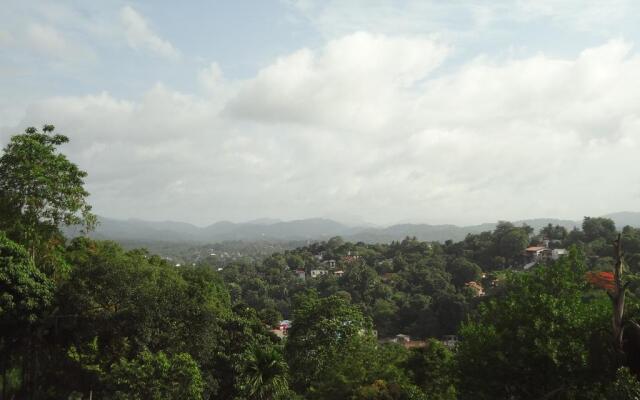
[
  {"x": 408, "y": 118},
  {"x": 360, "y": 126}
]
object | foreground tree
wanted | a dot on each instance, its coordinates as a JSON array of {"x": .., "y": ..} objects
[
  {"x": 25, "y": 294},
  {"x": 433, "y": 370},
  {"x": 333, "y": 354},
  {"x": 325, "y": 333},
  {"x": 156, "y": 377},
  {"x": 546, "y": 334},
  {"x": 264, "y": 374},
  {"x": 40, "y": 190}
]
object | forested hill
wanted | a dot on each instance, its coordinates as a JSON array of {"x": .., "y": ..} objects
[{"x": 307, "y": 229}]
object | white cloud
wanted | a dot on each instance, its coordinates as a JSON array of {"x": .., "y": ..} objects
[
  {"x": 49, "y": 41},
  {"x": 140, "y": 36},
  {"x": 365, "y": 125},
  {"x": 354, "y": 82},
  {"x": 5, "y": 38}
]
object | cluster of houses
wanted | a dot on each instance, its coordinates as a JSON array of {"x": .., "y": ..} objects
[
  {"x": 450, "y": 341},
  {"x": 327, "y": 266}
]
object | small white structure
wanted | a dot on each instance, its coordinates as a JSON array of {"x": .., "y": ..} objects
[
  {"x": 317, "y": 272},
  {"x": 401, "y": 338},
  {"x": 557, "y": 253},
  {"x": 450, "y": 341},
  {"x": 301, "y": 274}
]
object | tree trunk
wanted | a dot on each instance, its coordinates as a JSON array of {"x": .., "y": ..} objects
[{"x": 617, "y": 297}]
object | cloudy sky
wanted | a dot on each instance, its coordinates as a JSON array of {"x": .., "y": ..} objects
[{"x": 385, "y": 111}]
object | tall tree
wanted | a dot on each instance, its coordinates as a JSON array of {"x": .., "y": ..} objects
[
  {"x": 599, "y": 228},
  {"x": 328, "y": 347},
  {"x": 40, "y": 189}
]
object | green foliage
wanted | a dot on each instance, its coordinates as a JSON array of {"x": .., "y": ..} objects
[
  {"x": 510, "y": 240},
  {"x": 463, "y": 271},
  {"x": 596, "y": 228},
  {"x": 324, "y": 332},
  {"x": 556, "y": 232},
  {"x": 40, "y": 189},
  {"x": 25, "y": 292},
  {"x": 433, "y": 370},
  {"x": 25, "y": 298},
  {"x": 264, "y": 374},
  {"x": 540, "y": 335},
  {"x": 625, "y": 386},
  {"x": 382, "y": 390},
  {"x": 157, "y": 376}
]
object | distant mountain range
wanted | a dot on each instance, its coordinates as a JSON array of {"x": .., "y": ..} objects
[{"x": 307, "y": 229}]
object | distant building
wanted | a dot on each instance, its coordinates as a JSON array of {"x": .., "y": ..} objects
[
  {"x": 401, "y": 338},
  {"x": 557, "y": 253},
  {"x": 330, "y": 263},
  {"x": 535, "y": 254},
  {"x": 285, "y": 324},
  {"x": 318, "y": 272},
  {"x": 450, "y": 341},
  {"x": 301, "y": 274},
  {"x": 405, "y": 341},
  {"x": 338, "y": 273},
  {"x": 476, "y": 287},
  {"x": 282, "y": 329}
]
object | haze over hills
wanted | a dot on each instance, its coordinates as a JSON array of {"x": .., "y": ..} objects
[{"x": 309, "y": 229}]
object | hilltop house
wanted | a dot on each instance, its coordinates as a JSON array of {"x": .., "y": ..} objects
[{"x": 535, "y": 254}]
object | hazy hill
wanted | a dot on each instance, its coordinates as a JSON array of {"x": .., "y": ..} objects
[
  {"x": 625, "y": 218},
  {"x": 306, "y": 229}
]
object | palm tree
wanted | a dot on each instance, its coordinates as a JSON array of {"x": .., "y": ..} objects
[{"x": 265, "y": 374}]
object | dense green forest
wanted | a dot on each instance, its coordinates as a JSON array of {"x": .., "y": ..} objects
[{"x": 81, "y": 318}]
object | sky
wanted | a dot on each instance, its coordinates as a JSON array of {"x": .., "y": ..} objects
[{"x": 423, "y": 111}]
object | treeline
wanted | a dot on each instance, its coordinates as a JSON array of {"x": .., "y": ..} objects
[
  {"x": 87, "y": 319},
  {"x": 413, "y": 287}
]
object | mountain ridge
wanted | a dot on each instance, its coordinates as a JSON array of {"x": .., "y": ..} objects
[{"x": 308, "y": 229}]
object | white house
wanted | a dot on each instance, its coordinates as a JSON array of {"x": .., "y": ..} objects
[
  {"x": 557, "y": 253},
  {"x": 317, "y": 272}
]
